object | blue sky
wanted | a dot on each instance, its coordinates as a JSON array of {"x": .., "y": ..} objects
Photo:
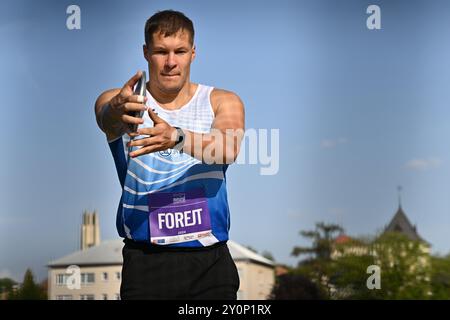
[{"x": 359, "y": 112}]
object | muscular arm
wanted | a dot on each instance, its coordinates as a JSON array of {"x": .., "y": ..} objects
[
  {"x": 112, "y": 129},
  {"x": 222, "y": 144}
]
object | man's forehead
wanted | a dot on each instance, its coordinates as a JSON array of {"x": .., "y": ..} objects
[{"x": 180, "y": 36}]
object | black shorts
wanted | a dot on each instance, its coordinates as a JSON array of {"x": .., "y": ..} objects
[{"x": 156, "y": 272}]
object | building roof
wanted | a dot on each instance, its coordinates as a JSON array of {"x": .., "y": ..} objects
[
  {"x": 110, "y": 253},
  {"x": 400, "y": 223},
  {"x": 343, "y": 238},
  {"x": 106, "y": 253},
  {"x": 239, "y": 252}
]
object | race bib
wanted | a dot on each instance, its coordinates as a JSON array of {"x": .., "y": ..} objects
[{"x": 176, "y": 217}]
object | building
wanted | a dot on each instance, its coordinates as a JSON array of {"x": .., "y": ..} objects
[
  {"x": 94, "y": 272},
  {"x": 100, "y": 269},
  {"x": 256, "y": 273},
  {"x": 90, "y": 230},
  {"x": 398, "y": 224},
  {"x": 401, "y": 224},
  {"x": 101, "y": 265},
  {"x": 390, "y": 254},
  {"x": 346, "y": 246}
]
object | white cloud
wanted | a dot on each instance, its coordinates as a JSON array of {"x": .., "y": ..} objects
[
  {"x": 331, "y": 143},
  {"x": 423, "y": 164}
]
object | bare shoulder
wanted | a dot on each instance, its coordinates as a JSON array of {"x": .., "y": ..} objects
[{"x": 221, "y": 98}]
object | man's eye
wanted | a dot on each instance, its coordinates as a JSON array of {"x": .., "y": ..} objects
[{"x": 181, "y": 52}]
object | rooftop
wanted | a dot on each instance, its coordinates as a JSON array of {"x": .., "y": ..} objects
[
  {"x": 110, "y": 253},
  {"x": 400, "y": 223}
]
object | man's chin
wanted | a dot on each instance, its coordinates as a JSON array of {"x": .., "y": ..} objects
[{"x": 171, "y": 88}]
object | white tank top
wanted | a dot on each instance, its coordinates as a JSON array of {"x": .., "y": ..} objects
[
  {"x": 197, "y": 115},
  {"x": 191, "y": 186}
]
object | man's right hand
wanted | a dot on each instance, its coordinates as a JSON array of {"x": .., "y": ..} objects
[
  {"x": 116, "y": 109},
  {"x": 126, "y": 105}
]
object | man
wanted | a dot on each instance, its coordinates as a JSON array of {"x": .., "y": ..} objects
[{"x": 173, "y": 212}]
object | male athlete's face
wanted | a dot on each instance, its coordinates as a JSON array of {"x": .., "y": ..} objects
[{"x": 169, "y": 60}]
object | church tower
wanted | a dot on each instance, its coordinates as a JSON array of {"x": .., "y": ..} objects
[
  {"x": 90, "y": 230},
  {"x": 400, "y": 223}
]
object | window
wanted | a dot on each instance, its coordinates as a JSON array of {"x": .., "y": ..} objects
[
  {"x": 104, "y": 296},
  {"x": 118, "y": 275},
  {"x": 240, "y": 295},
  {"x": 64, "y": 297},
  {"x": 86, "y": 297},
  {"x": 87, "y": 278},
  {"x": 105, "y": 276},
  {"x": 61, "y": 279}
]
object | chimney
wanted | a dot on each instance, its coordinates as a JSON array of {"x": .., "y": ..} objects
[{"x": 90, "y": 230}]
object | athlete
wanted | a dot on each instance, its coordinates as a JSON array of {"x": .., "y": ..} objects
[{"x": 173, "y": 213}]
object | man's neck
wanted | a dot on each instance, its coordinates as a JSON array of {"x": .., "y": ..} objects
[{"x": 175, "y": 100}]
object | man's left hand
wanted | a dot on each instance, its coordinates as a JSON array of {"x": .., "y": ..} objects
[{"x": 162, "y": 136}]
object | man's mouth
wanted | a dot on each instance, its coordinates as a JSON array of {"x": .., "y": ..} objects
[{"x": 169, "y": 75}]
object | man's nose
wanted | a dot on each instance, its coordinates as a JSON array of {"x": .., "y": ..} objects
[{"x": 170, "y": 62}]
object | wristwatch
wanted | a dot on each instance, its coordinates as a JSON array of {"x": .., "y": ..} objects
[{"x": 179, "y": 142}]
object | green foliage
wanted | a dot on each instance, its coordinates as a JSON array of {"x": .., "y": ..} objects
[
  {"x": 268, "y": 255},
  {"x": 440, "y": 277},
  {"x": 322, "y": 237},
  {"x": 6, "y": 285},
  {"x": 29, "y": 290},
  {"x": 348, "y": 277},
  {"x": 405, "y": 267},
  {"x": 341, "y": 270},
  {"x": 295, "y": 286},
  {"x": 318, "y": 264}
]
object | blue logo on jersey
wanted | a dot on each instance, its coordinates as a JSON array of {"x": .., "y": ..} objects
[
  {"x": 168, "y": 152},
  {"x": 165, "y": 153}
]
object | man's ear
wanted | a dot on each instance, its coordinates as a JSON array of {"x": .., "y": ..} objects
[
  {"x": 193, "y": 53},
  {"x": 146, "y": 52}
]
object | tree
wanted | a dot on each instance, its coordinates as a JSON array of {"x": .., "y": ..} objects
[
  {"x": 317, "y": 266},
  {"x": 323, "y": 238},
  {"x": 29, "y": 290},
  {"x": 6, "y": 285},
  {"x": 268, "y": 255},
  {"x": 292, "y": 286},
  {"x": 340, "y": 270},
  {"x": 404, "y": 265},
  {"x": 347, "y": 272},
  {"x": 440, "y": 277}
]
